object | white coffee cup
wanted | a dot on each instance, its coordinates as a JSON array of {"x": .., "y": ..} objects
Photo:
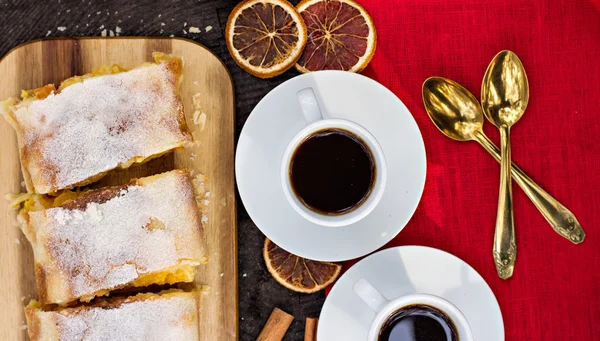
[
  {"x": 315, "y": 123},
  {"x": 384, "y": 308}
]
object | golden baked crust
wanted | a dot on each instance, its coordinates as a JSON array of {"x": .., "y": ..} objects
[
  {"x": 146, "y": 232},
  {"x": 91, "y": 124},
  {"x": 170, "y": 315}
]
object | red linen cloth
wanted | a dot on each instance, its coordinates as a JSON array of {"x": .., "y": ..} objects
[{"x": 555, "y": 291}]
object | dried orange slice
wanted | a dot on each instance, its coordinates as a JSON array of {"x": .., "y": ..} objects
[
  {"x": 341, "y": 36},
  {"x": 265, "y": 37},
  {"x": 296, "y": 273}
]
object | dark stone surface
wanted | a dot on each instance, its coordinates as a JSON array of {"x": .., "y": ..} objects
[{"x": 21, "y": 21}]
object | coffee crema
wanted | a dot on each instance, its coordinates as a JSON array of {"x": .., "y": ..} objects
[
  {"x": 332, "y": 171},
  {"x": 418, "y": 322}
]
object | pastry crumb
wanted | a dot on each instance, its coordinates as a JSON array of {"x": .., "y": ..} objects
[
  {"x": 194, "y": 29},
  {"x": 196, "y": 100},
  {"x": 17, "y": 241},
  {"x": 208, "y": 28},
  {"x": 205, "y": 289},
  {"x": 199, "y": 119},
  {"x": 103, "y": 33}
]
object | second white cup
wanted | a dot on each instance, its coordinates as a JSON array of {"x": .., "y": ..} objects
[{"x": 385, "y": 308}]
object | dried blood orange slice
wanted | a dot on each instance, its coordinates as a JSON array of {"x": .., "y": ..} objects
[
  {"x": 265, "y": 37},
  {"x": 296, "y": 273},
  {"x": 341, "y": 36}
]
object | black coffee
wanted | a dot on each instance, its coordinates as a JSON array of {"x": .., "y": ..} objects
[
  {"x": 332, "y": 171},
  {"x": 418, "y": 323}
]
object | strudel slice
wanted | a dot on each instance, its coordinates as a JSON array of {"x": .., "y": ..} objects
[
  {"x": 171, "y": 315},
  {"x": 146, "y": 232},
  {"x": 91, "y": 124}
]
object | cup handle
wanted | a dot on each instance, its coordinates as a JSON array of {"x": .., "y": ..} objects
[
  {"x": 371, "y": 296},
  {"x": 309, "y": 105}
]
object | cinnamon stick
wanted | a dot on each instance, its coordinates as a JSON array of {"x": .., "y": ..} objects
[
  {"x": 276, "y": 326},
  {"x": 310, "y": 332}
]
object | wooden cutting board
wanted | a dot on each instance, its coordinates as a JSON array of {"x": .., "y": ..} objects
[{"x": 51, "y": 60}]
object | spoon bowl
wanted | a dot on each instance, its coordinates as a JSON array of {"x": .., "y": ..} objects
[
  {"x": 505, "y": 90},
  {"x": 452, "y": 108}
]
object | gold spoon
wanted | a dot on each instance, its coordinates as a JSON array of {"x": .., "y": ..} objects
[
  {"x": 457, "y": 114},
  {"x": 504, "y": 98}
]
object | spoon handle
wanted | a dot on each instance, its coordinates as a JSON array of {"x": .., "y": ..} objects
[
  {"x": 558, "y": 216},
  {"x": 505, "y": 249}
]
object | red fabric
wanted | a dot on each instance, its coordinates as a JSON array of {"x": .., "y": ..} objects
[{"x": 555, "y": 291}]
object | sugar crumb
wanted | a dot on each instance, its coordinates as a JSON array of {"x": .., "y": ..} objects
[
  {"x": 118, "y": 30},
  {"x": 103, "y": 33},
  {"x": 48, "y": 33},
  {"x": 61, "y": 28},
  {"x": 172, "y": 35},
  {"x": 185, "y": 24},
  {"x": 111, "y": 33},
  {"x": 196, "y": 83},
  {"x": 245, "y": 275},
  {"x": 162, "y": 24},
  {"x": 17, "y": 241},
  {"x": 222, "y": 274},
  {"x": 184, "y": 32}
]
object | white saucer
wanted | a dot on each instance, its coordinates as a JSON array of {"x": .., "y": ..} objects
[
  {"x": 407, "y": 270},
  {"x": 275, "y": 121}
]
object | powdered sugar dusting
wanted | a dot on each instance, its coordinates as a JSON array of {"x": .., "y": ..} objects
[
  {"x": 95, "y": 125},
  {"x": 170, "y": 319},
  {"x": 108, "y": 245}
]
